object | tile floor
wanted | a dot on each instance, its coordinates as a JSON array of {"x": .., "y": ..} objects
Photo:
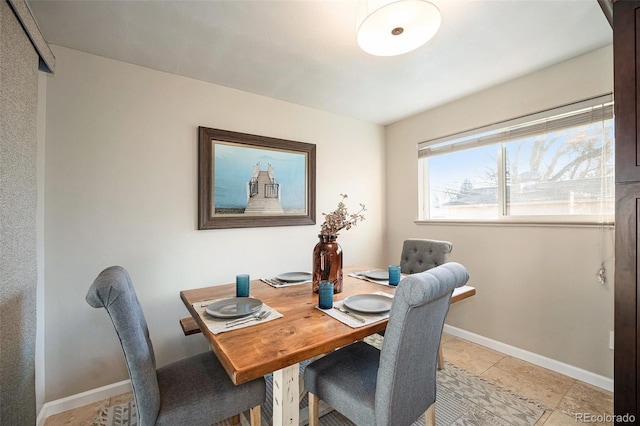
[
  {"x": 560, "y": 393},
  {"x": 563, "y": 395}
]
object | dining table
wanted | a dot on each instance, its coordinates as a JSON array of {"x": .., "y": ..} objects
[{"x": 301, "y": 332}]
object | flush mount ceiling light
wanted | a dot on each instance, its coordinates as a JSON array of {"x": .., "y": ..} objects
[{"x": 388, "y": 27}]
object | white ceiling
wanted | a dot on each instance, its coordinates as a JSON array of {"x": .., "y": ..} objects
[{"x": 306, "y": 52}]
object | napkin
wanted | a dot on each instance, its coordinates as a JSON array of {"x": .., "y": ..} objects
[
  {"x": 361, "y": 276},
  {"x": 352, "y": 322},
  {"x": 274, "y": 282},
  {"x": 219, "y": 325}
]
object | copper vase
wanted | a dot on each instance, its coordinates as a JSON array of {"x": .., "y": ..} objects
[{"x": 327, "y": 262}]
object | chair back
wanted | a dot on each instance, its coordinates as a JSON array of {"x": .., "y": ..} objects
[
  {"x": 419, "y": 255},
  {"x": 113, "y": 290},
  {"x": 406, "y": 381}
]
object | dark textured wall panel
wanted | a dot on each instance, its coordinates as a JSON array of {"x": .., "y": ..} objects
[{"x": 18, "y": 191}]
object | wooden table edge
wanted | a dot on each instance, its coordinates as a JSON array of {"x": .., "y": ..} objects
[
  {"x": 203, "y": 326},
  {"x": 242, "y": 376},
  {"x": 467, "y": 292}
]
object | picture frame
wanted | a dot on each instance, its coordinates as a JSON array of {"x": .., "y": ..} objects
[{"x": 247, "y": 181}]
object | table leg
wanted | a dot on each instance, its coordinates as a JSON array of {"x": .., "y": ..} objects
[{"x": 286, "y": 405}]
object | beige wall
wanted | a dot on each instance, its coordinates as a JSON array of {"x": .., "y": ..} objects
[
  {"x": 537, "y": 288},
  {"x": 121, "y": 188}
]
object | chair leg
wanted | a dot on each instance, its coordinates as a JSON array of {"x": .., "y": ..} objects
[
  {"x": 440, "y": 358},
  {"x": 430, "y": 416},
  {"x": 235, "y": 419},
  {"x": 303, "y": 391},
  {"x": 256, "y": 416},
  {"x": 314, "y": 402}
]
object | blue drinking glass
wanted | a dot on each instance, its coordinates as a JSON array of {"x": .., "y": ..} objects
[
  {"x": 394, "y": 274},
  {"x": 242, "y": 285},
  {"x": 325, "y": 295}
]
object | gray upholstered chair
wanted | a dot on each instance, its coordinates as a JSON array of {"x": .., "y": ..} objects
[
  {"x": 396, "y": 385},
  {"x": 191, "y": 391},
  {"x": 418, "y": 254}
]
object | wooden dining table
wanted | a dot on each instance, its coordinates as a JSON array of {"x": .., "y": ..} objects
[{"x": 278, "y": 346}]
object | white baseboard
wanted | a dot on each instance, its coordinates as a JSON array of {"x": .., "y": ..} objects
[
  {"x": 74, "y": 401},
  {"x": 542, "y": 361},
  {"x": 81, "y": 399}
]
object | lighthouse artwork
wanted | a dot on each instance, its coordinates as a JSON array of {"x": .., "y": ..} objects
[
  {"x": 247, "y": 181},
  {"x": 253, "y": 181},
  {"x": 263, "y": 192}
]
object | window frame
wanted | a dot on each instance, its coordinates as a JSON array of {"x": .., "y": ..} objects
[{"x": 502, "y": 218}]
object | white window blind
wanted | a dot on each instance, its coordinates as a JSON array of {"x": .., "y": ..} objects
[
  {"x": 567, "y": 116},
  {"x": 556, "y": 163}
]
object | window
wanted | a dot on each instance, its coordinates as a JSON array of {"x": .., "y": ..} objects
[{"x": 555, "y": 166}]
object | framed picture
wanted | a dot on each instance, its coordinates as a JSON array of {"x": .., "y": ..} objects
[{"x": 252, "y": 181}]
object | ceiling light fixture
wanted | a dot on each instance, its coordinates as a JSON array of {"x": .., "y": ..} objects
[{"x": 394, "y": 27}]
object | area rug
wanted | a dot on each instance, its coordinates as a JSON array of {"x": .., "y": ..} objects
[
  {"x": 462, "y": 399},
  {"x": 117, "y": 415}
]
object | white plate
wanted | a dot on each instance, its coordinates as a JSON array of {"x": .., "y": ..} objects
[
  {"x": 368, "y": 303},
  {"x": 234, "y": 307},
  {"x": 379, "y": 274},
  {"x": 293, "y": 277}
]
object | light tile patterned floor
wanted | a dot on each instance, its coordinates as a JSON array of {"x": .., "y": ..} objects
[{"x": 562, "y": 394}]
